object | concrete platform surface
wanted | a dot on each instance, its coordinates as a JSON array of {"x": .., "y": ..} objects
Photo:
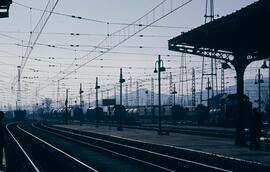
[{"x": 221, "y": 146}]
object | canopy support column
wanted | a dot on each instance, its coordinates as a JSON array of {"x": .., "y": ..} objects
[{"x": 240, "y": 64}]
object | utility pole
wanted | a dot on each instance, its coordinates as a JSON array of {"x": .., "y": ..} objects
[
  {"x": 152, "y": 92},
  {"x": 193, "y": 88},
  {"x": 159, "y": 97},
  {"x": 108, "y": 93},
  {"x": 182, "y": 71},
  {"x": 153, "y": 99},
  {"x": 66, "y": 108},
  {"x": 209, "y": 14},
  {"x": 170, "y": 89},
  {"x": 114, "y": 92},
  {"x": 174, "y": 92},
  {"x": 222, "y": 81},
  {"x": 259, "y": 81},
  {"x": 160, "y": 69},
  {"x": 121, "y": 81},
  {"x": 130, "y": 90},
  {"x": 18, "y": 104},
  {"x": 126, "y": 95},
  {"x": 58, "y": 94},
  {"x": 89, "y": 98},
  {"x": 138, "y": 95},
  {"x": 101, "y": 92},
  {"x": 97, "y": 108},
  {"x": 208, "y": 88},
  {"x": 120, "y": 109},
  {"x": 81, "y": 104},
  {"x": 36, "y": 103},
  {"x": 36, "y": 96},
  {"x": 147, "y": 102}
]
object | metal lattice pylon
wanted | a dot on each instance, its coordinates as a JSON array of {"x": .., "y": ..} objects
[
  {"x": 126, "y": 95},
  {"x": 193, "y": 88},
  {"x": 209, "y": 17},
  {"x": 152, "y": 92},
  {"x": 137, "y": 94},
  {"x": 170, "y": 89}
]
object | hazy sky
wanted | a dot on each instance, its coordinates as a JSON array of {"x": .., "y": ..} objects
[{"x": 137, "y": 55}]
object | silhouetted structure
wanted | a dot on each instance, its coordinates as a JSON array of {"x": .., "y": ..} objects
[
  {"x": 4, "y": 8},
  {"x": 203, "y": 114},
  {"x": 178, "y": 113},
  {"x": 20, "y": 115},
  {"x": 119, "y": 112},
  {"x": 159, "y": 69},
  {"x": 223, "y": 110},
  {"x": 239, "y": 38},
  {"x": 255, "y": 130}
]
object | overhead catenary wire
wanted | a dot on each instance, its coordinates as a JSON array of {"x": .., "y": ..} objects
[
  {"x": 125, "y": 39},
  {"x": 101, "y": 21},
  {"x": 36, "y": 33},
  {"x": 64, "y": 58},
  {"x": 86, "y": 34}
]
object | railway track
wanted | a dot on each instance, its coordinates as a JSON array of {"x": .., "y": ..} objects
[
  {"x": 40, "y": 155},
  {"x": 42, "y": 149},
  {"x": 45, "y": 155},
  {"x": 191, "y": 156},
  {"x": 160, "y": 158},
  {"x": 159, "y": 161}
]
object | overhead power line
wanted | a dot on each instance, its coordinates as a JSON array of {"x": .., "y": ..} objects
[
  {"x": 37, "y": 32},
  {"x": 134, "y": 30},
  {"x": 84, "y": 34},
  {"x": 102, "y": 21}
]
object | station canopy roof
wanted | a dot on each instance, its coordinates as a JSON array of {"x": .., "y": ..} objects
[
  {"x": 244, "y": 31},
  {"x": 4, "y": 8}
]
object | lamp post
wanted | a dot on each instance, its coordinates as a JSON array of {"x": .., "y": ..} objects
[
  {"x": 97, "y": 109},
  {"x": 121, "y": 81},
  {"x": 159, "y": 70},
  {"x": 66, "y": 108},
  {"x": 264, "y": 66},
  {"x": 121, "y": 107},
  {"x": 208, "y": 88},
  {"x": 146, "y": 93},
  {"x": 259, "y": 80},
  {"x": 81, "y": 104}
]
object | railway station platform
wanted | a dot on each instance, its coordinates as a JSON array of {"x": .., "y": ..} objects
[{"x": 213, "y": 145}]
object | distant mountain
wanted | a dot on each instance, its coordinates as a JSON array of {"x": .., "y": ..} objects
[{"x": 251, "y": 90}]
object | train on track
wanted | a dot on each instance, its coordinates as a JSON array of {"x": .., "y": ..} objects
[{"x": 222, "y": 111}]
